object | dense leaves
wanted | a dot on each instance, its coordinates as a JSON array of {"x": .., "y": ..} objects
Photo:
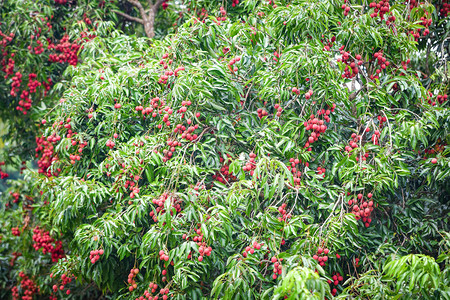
[{"x": 296, "y": 151}]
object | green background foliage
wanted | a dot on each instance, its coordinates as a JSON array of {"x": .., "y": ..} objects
[{"x": 245, "y": 88}]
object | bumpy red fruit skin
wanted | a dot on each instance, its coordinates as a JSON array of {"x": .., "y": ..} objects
[{"x": 434, "y": 161}]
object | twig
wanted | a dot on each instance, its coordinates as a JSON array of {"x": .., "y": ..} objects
[{"x": 127, "y": 16}]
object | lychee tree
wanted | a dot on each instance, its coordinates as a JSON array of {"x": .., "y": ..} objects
[{"x": 296, "y": 153}]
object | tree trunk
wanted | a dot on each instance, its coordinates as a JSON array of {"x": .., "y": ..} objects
[{"x": 149, "y": 24}]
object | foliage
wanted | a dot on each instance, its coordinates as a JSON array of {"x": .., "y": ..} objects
[{"x": 295, "y": 152}]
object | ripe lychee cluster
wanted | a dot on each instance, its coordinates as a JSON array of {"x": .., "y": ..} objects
[
  {"x": 362, "y": 208},
  {"x": 380, "y": 8},
  {"x": 308, "y": 94},
  {"x": 345, "y": 8},
  {"x": 321, "y": 256},
  {"x": 328, "y": 43},
  {"x": 25, "y": 100},
  {"x": 351, "y": 64},
  {"x": 321, "y": 171},
  {"x": 77, "y": 157},
  {"x": 3, "y": 175},
  {"x": 445, "y": 9},
  {"x": 15, "y": 255},
  {"x": 426, "y": 22},
  {"x": 317, "y": 126},
  {"x": 405, "y": 64},
  {"x": 262, "y": 112},
  {"x": 165, "y": 119},
  {"x": 442, "y": 98},
  {"x": 69, "y": 51},
  {"x": 6, "y": 38},
  {"x": 110, "y": 144},
  {"x": 15, "y": 231},
  {"x": 199, "y": 186},
  {"x": 224, "y": 175},
  {"x": 337, "y": 278},
  {"x": 279, "y": 109},
  {"x": 277, "y": 267},
  {"x": 201, "y": 14},
  {"x": 295, "y": 170},
  {"x": 437, "y": 148},
  {"x": 43, "y": 240},
  {"x": 152, "y": 287},
  {"x": 203, "y": 250},
  {"x": 276, "y": 55},
  {"x": 285, "y": 216},
  {"x": 159, "y": 203},
  {"x": 382, "y": 63},
  {"x": 165, "y": 77},
  {"x": 353, "y": 144},
  {"x": 15, "y": 195},
  {"x": 187, "y": 133},
  {"x": 251, "y": 249},
  {"x": 38, "y": 49},
  {"x": 15, "y": 84},
  {"x": 131, "y": 281},
  {"x": 376, "y": 137},
  {"x": 223, "y": 14},
  {"x": 163, "y": 256},
  {"x": 232, "y": 62},
  {"x": 94, "y": 255},
  {"x": 46, "y": 148},
  {"x": 28, "y": 287},
  {"x": 250, "y": 166},
  {"x": 65, "y": 280}
]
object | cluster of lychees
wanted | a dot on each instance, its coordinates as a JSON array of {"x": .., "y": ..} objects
[
  {"x": 232, "y": 62},
  {"x": 317, "y": 126},
  {"x": 224, "y": 175},
  {"x": 251, "y": 249},
  {"x": 69, "y": 51},
  {"x": 351, "y": 64},
  {"x": 28, "y": 287},
  {"x": 15, "y": 231},
  {"x": 380, "y": 8},
  {"x": 362, "y": 208},
  {"x": 43, "y": 240},
  {"x": 250, "y": 166},
  {"x": 94, "y": 255},
  {"x": 382, "y": 63},
  {"x": 284, "y": 214},
  {"x": 131, "y": 281},
  {"x": 336, "y": 279},
  {"x": 3, "y": 175},
  {"x": 152, "y": 290},
  {"x": 277, "y": 267},
  {"x": 46, "y": 148},
  {"x": 321, "y": 256},
  {"x": 65, "y": 280},
  {"x": 159, "y": 203}
]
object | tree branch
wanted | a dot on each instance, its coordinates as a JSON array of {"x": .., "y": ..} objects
[
  {"x": 354, "y": 94},
  {"x": 127, "y": 16},
  {"x": 139, "y": 7},
  {"x": 157, "y": 5}
]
